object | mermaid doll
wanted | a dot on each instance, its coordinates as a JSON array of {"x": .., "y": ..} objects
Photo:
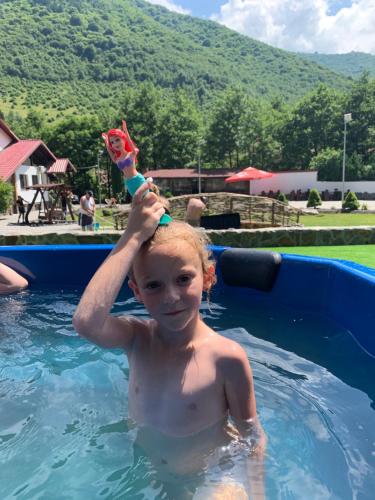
[{"x": 123, "y": 152}]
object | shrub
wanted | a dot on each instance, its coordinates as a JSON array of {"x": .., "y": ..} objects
[
  {"x": 351, "y": 202},
  {"x": 75, "y": 20},
  {"x": 92, "y": 26},
  {"x": 314, "y": 198},
  {"x": 364, "y": 206},
  {"x": 6, "y": 192},
  {"x": 282, "y": 197}
]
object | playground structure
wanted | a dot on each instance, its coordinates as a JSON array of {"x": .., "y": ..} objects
[{"x": 50, "y": 209}]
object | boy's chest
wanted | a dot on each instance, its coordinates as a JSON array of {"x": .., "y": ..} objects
[{"x": 182, "y": 395}]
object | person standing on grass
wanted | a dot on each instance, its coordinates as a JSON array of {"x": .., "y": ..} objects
[{"x": 87, "y": 211}]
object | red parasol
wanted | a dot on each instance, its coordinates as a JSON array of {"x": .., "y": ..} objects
[{"x": 249, "y": 174}]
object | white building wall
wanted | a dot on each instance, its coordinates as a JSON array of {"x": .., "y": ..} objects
[
  {"x": 4, "y": 139},
  {"x": 29, "y": 171},
  {"x": 289, "y": 181},
  {"x": 285, "y": 182}
]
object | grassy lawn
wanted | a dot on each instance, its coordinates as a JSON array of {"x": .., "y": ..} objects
[
  {"x": 338, "y": 220},
  {"x": 104, "y": 221},
  {"x": 362, "y": 254}
]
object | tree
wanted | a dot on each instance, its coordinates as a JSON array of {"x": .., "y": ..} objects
[
  {"x": 143, "y": 115},
  {"x": 355, "y": 169},
  {"x": 179, "y": 132},
  {"x": 224, "y": 131},
  {"x": 351, "y": 202},
  {"x": 266, "y": 148},
  {"x": 76, "y": 138},
  {"x": 6, "y": 193},
  {"x": 328, "y": 164},
  {"x": 79, "y": 139},
  {"x": 32, "y": 126},
  {"x": 314, "y": 198},
  {"x": 314, "y": 125},
  {"x": 361, "y": 103}
]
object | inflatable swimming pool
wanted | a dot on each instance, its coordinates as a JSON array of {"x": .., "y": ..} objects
[
  {"x": 340, "y": 290},
  {"x": 306, "y": 324}
]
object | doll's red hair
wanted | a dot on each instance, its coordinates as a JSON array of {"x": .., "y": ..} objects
[{"x": 119, "y": 133}]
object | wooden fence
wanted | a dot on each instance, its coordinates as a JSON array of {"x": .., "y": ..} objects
[{"x": 255, "y": 211}]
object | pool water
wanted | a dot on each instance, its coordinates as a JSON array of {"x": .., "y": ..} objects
[{"x": 64, "y": 431}]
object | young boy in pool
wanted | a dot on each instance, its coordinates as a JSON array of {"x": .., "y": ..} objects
[{"x": 185, "y": 380}]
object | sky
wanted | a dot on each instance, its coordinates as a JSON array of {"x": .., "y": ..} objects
[{"x": 325, "y": 26}]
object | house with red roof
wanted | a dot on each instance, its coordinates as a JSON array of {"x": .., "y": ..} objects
[{"x": 27, "y": 162}]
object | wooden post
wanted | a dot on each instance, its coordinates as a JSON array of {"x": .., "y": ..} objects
[
  {"x": 53, "y": 206},
  {"x": 30, "y": 206},
  {"x": 273, "y": 214},
  {"x": 69, "y": 203}
]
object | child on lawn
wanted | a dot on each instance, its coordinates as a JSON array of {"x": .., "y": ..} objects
[{"x": 185, "y": 380}]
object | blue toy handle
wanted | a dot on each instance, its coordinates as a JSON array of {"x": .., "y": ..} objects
[{"x": 133, "y": 184}]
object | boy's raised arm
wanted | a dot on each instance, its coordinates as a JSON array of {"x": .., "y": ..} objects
[{"x": 92, "y": 317}]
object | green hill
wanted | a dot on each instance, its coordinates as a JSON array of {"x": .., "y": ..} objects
[
  {"x": 353, "y": 64},
  {"x": 81, "y": 55}
]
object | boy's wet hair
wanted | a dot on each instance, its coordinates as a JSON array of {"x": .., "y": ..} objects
[{"x": 181, "y": 231}]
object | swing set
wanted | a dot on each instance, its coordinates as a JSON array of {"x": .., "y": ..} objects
[{"x": 51, "y": 210}]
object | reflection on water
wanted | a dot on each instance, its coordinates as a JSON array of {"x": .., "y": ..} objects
[{"x": 64, "y": 431}]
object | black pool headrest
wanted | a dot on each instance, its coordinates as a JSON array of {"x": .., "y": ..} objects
[
  {"x": 250, "y": 268},
  {"x": 221, "y": 221}
]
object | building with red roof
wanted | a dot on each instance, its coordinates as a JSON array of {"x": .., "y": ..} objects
[{"x": 25, "y": 163}]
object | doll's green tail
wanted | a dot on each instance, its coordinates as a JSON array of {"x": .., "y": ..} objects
[{"x": 133, "y": 184}]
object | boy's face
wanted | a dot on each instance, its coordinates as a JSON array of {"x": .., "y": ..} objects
[{"x": 169, "y": 281}]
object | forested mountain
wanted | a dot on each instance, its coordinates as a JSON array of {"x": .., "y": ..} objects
[
  {"x": 190, "y": 89},
  {"x": 353, "y": 64},
  {"x": 81, "y": 55}
]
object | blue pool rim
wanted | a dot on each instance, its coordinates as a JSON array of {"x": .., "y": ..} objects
[{"x": 340, "y": 290}]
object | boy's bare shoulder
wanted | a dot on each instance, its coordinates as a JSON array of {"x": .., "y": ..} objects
[
  {"x": 229, "y": 357},
  {"x": 227, "y": 349},
  {"x": 224, "y": 347}
]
